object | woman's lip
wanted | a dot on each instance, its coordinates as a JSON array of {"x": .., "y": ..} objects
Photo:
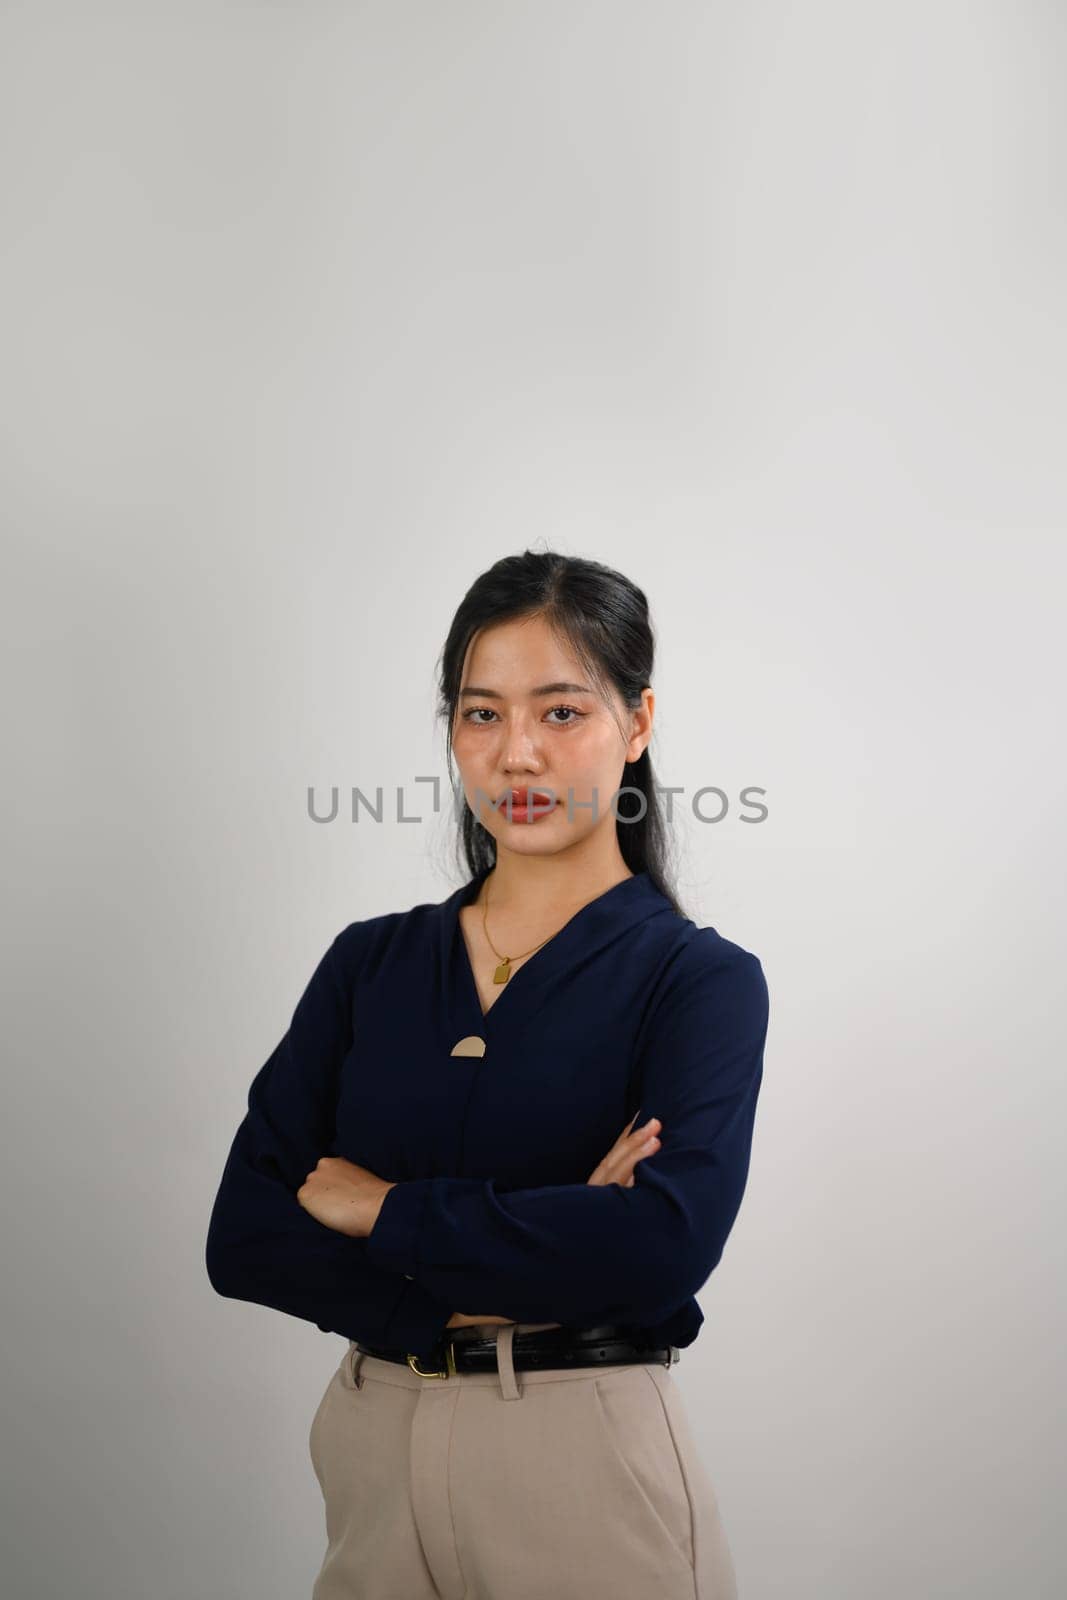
[{"x": 539, "y": 806}]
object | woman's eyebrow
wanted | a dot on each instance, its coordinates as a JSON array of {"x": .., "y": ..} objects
[{"x": 542, "y": 689}]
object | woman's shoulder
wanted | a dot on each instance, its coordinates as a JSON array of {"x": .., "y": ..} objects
[
  {"x": 708, "y": 947},
  {"x": 702, "y": 958},
  {"x": 368, "y": 939}
]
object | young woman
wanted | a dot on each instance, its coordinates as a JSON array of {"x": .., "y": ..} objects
[{"x": 432, "y": 1164}]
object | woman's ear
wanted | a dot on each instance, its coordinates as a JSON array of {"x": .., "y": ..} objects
[{"x": 641, "y": 725}]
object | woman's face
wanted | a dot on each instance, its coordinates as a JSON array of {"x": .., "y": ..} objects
[{"x": 528, "y": 718}]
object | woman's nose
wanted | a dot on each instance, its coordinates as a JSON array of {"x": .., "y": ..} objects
[{"x": 519, "y": 745}]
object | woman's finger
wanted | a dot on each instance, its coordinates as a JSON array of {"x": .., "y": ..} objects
[
  {"x": 632, "y": 1143},
  {"x": 618, "y": 1164}
]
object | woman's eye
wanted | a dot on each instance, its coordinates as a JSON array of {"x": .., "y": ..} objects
[{"x": 479, "y": 715}]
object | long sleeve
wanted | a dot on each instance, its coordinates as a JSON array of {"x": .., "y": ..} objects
[
  {"x": 577, "y": 1252},
  {"x": 262, "y": 1245}
]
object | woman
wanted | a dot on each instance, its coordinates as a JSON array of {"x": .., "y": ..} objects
[{"x": 430, "y": 1135}]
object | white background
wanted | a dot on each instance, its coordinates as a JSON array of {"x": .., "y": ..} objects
[{"x": 308, "y": 314}]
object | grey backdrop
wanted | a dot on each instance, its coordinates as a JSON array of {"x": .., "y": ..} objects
[{"x": 310, "y": 312}]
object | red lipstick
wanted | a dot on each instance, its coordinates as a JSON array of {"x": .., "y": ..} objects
[{"x": 525, "y": 804}]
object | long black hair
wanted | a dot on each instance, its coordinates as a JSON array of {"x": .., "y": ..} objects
[{"x": 603, "y": 617}]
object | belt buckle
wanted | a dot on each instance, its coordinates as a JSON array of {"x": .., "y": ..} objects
[{"x": 450, "y": 1362}]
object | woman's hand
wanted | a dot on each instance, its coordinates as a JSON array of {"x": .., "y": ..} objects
[
  {"x": 347, "y": 1197},
  {"x": 629, "y": 1148},
  {"x": 617, "y": 1167},
  {"x": 343, "y": 1195}
]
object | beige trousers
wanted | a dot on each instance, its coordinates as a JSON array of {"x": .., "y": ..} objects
[{"x": 559, "y": 1484}]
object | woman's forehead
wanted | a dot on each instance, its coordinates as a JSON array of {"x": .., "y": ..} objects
[{"x": 522, "y": 656}]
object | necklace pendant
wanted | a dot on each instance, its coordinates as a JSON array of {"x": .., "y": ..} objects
[{"x": 503, "y": 972}]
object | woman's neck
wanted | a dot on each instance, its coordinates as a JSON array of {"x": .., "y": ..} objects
[{"x": 535, "y": 887}]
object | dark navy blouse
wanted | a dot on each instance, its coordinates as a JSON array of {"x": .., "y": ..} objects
[{"x": 629, "y": 1010}]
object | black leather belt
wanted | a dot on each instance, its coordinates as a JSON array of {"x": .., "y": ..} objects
[{"x": 471, "y": 1350}]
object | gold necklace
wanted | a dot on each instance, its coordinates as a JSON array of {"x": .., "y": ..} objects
[{"x": 502, "y": 973}]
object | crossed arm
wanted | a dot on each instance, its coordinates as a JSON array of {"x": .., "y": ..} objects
[
  {"x": 610, "y": 1249},
  {"x": 348, "y": 1197}
]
